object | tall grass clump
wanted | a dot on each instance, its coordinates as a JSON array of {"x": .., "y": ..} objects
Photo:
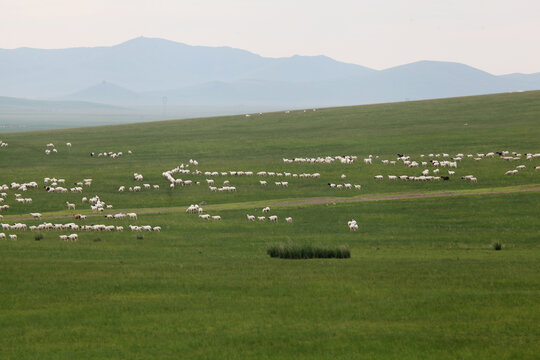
[
  {"x": 308, "y": 251},
  {"x": 497, "y": 245}
]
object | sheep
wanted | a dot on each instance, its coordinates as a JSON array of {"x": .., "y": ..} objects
[
  {"x": 156, "y": 187},
  {"x": 73, "y": 237},
  {"x": 261, "y": 218},
  {"x": 13, "y": 237},
  {"x": 273, "y": 218},
  {"x": 511, "y": 172},
  {"x": 36, "y": 216},
  {"x": 266, "y": 209},
  {"x": 70, "y": 206},
  {"x": 216, "y": 217},
  {"x": 378, "y": 177},
  {"x": 262, "y": 182},
  {"x": 353, "y": 225},
  {"x": 250, "y": 217},
  {"x": 2, "y": 236},
  {"x": 68, "y": 144},
  {"x": 131, "y": 215},
  {"x": 288, "y": 219},
  {"x": 119, "y": 228},
  {"x": 358, "y": 187},
  {"x": 204, "y": 216},
  {"x": 121, "y": 188},
  {"x": 63, "y": 237}
]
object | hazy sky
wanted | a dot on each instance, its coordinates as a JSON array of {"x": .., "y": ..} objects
[{"x": 499, "y": 36}]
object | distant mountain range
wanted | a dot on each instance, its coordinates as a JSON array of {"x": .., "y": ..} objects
[{"x": 158, "y": 73}]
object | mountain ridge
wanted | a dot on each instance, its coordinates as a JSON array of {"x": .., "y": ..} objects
[{"x": 144, "y": 71}]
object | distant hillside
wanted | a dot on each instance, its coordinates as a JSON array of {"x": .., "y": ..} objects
[
  {"x": 155, "y": 73},
  {"x": 106, "y": 93},
  {"x": 10, "y": 104}
]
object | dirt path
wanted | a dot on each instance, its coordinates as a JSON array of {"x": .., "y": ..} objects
[
  {"x": 379, "y": 197},
  {"x": 301, "y": 201}
]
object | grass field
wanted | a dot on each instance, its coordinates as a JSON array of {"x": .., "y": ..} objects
[{"x": 422, "y": 282}]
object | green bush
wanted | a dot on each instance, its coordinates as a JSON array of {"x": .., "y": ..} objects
[
  {"x": 497, "y": 245},
  {"x": 38, "y": 237},
  {"x": 308, "y": 251}
]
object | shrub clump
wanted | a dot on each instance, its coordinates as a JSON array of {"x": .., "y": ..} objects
[
  {"x": 38, "y": 237},
  {"x": 308, "y": 251},
  {"x": 140, "y": 237},
  {"x": 497, "y": 245}
]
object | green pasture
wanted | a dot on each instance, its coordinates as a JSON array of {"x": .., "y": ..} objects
[{"x": 423, "y": 281}]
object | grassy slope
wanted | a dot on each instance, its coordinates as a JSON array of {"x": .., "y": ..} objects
[
  {"x": 422, "y": 281},
  {"x": 508, "y": 121}
]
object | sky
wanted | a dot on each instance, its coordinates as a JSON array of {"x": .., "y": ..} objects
[{"x": 498, "y": 36}]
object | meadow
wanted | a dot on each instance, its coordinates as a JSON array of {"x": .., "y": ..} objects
[{"x": 423, "y": 280}]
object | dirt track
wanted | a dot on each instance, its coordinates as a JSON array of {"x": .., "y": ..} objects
[
  {"x": 315, "y": 201},
  {"x": 306, "y": 201}
]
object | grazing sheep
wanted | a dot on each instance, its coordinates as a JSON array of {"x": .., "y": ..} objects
[
  {"x": 13, "y": 237},
  {"x": 36, "y": 216},
  {"x": 273, "y": 218},
  {"x": 261, "y": 218},
  {"x": 250, "y": 217},
  {"x": 70, "y": 206},
  {"x": 288, "y": 219},
  {"x": 266, "y": 209}
]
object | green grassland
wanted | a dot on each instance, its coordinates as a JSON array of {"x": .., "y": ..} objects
[{"x": 422, "y": 282}]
